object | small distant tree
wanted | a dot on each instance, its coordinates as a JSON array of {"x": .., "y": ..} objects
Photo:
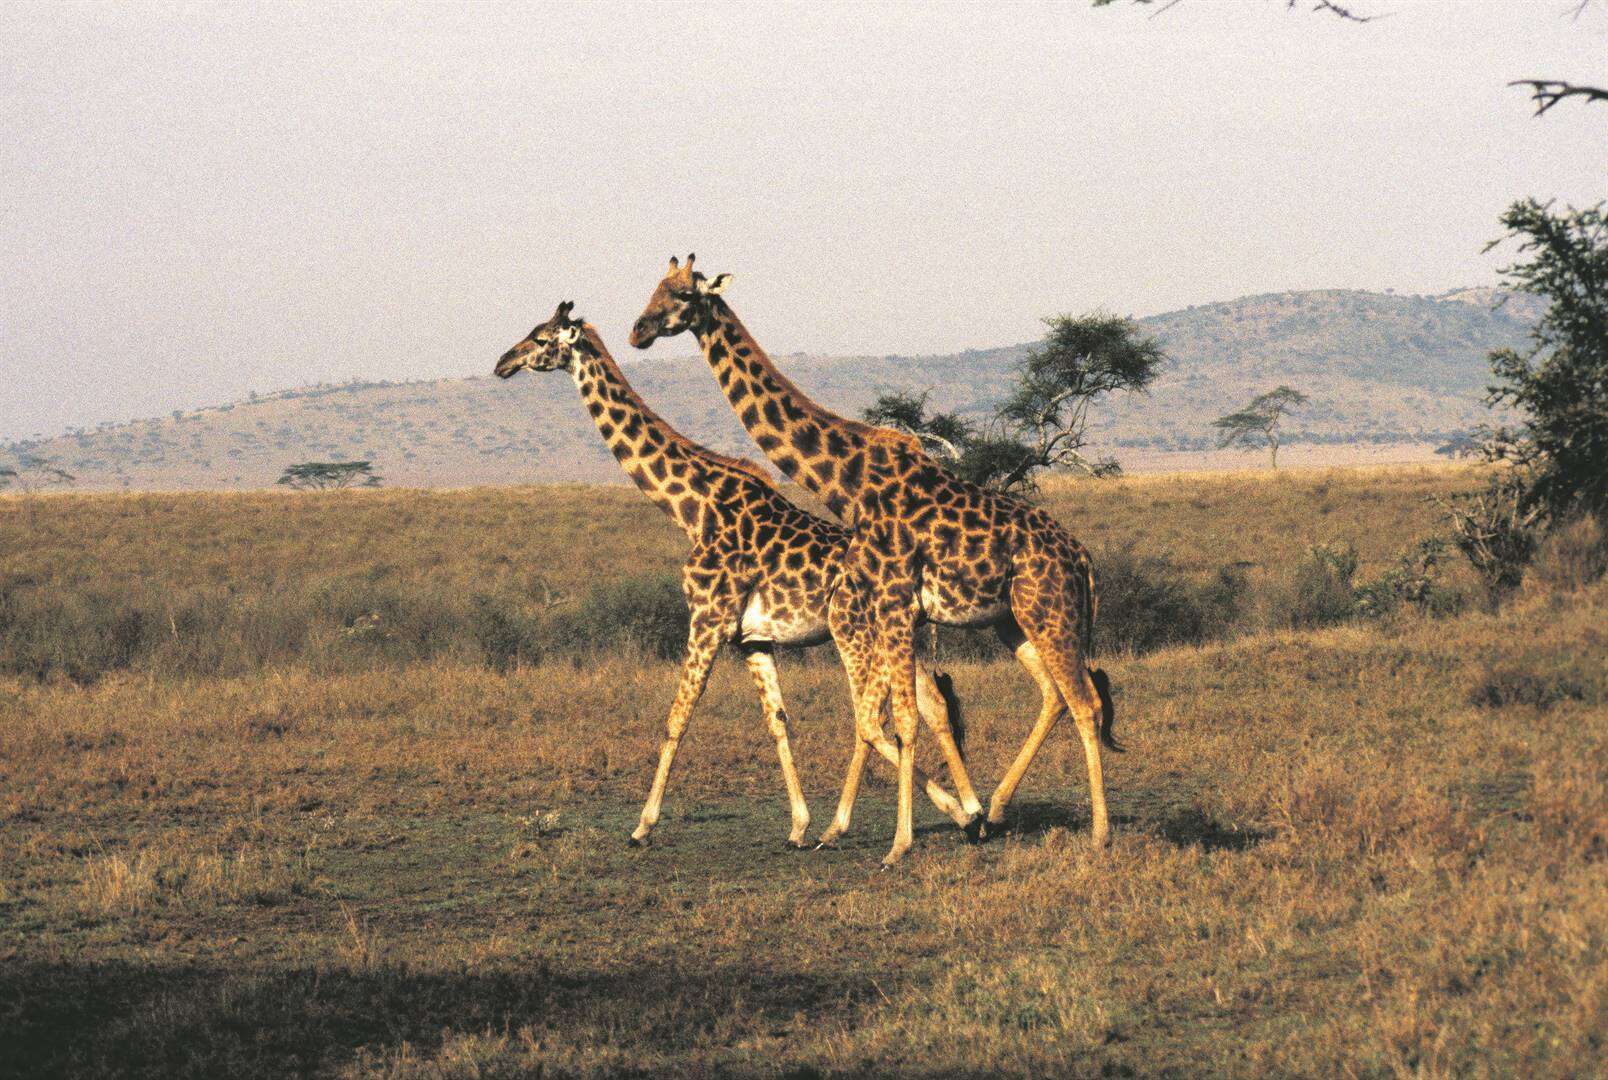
[
  {"x": 1258, "y": 422},
  {"x": 30, "y": 473},
  {"x": 1043, "y": 424},
  {"x": 322, "y": 475},
  {"x": 1461, "y": 445}
]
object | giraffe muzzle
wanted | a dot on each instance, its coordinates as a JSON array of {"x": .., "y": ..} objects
[{"x": 645, "y": 332}]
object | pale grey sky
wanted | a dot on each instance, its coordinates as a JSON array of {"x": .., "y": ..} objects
[{"x": 199, "y": 200}]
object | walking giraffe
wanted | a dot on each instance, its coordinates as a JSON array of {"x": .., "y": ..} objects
[
  {"x": 925, "y": 545},
  {"x": 760, "y": 573}
]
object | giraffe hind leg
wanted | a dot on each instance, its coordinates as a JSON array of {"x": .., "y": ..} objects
[
  {"x": 1063, "y": 659},
  {"x": 1050, "y": 711},
  {"x": 762, "y": 666}
]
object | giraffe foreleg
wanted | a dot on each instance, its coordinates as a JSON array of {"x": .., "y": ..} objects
[
  {"x": 703, "y": 642},
  {"x": 762, "y": 666}
]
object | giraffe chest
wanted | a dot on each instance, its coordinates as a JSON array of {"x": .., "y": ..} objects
[{"x": 783, "y": 619}]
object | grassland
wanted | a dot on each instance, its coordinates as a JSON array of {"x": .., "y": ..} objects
[{"x": 1372, "y": 848}]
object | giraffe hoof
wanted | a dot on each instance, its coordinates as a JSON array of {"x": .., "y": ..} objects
[
  {"x": 976, "y": 830},
  {"x": 638, "y": 841}
]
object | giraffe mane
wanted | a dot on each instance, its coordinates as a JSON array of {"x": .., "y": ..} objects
[{"x": 703, "y": 453}]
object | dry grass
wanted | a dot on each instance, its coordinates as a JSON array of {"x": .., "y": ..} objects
[{"x": 1334, "y": 855}]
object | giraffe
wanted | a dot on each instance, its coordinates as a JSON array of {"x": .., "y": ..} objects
[
  {"x": 760, "y": 573},
  {"x": 925, "y": 545}
]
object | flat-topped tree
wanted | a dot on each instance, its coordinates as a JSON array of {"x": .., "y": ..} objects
[
  {"x": 926, "y": 545},
  {"x": 1258, "y": 423},
  {"x": 324, "y": 475},
  {"x": 760, "y": 573}
]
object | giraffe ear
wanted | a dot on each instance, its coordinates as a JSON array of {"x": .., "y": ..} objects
[
  {"x": 570, "y": 334},
  {"x": 715, "y": 286}
]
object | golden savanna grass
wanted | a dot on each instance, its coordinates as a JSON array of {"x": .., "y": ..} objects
[{"x": 1375, "y": 848}]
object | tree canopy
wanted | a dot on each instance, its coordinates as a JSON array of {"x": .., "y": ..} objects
[
  {"x": 1042, "y": 424},
  {"x": 321, "y": 475},
  {"x": 1257, "y": 424},
  {"x": 1559, "y": 386}
]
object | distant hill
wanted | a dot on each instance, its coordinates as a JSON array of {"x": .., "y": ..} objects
[{"x": 1379, "y": 368}]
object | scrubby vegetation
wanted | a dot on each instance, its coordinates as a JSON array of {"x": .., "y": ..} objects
[{"x": 395, "y": 846}]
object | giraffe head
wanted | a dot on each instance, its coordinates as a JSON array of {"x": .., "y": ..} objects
[
  {"x": 674, "y": 305},
  {"x": 547, "y": 348}
]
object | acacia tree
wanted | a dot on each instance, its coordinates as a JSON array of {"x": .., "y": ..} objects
[
  {"x": 1559, "y": 386},
  {"x": 1043, "y": 423},
  {"x": 30, "y": 472},
  {"x": 1258, "y": 422},
  {"x": 322, "y": 475}
]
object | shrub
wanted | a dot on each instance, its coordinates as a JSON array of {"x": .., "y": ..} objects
[
  {"x": 646, "y": 612},
  {"x": 506, "y": 637},
  {"x": 1319, "y": 592},
  {"x": 1147, "y": 603},
  {"x": 1415, "y": 580},
  {"x": 1537, "y": 680}
]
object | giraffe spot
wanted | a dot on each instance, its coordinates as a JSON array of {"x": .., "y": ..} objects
[
  {"x": 595, "y": 408},
  {"x": 787, "y": 463},
  {"x": 773, "y": 415},
  {"x": 767, "y": 442},
  {"x": 825, "y": 470},
  {"x": 807, "y": 440},
  {"x": 853, "y": 471},
  {"x": 656, "y": 466},
  {"x": 750, "y": 417},
  {"x": 836, "y": 445},
  {"x": 738, "y": 392}
]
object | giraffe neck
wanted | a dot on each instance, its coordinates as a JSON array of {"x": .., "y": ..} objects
[
  {"x": 653, "y": 454},
  {"x": 812, "y": 445}
]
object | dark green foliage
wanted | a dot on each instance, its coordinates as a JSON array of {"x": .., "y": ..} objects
[
  {"x": 1042, "y": 422},
  {"x": 322, "y": 475},
  {"x": 1559, "y": 386}
]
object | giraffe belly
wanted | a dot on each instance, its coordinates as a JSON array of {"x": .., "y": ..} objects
[
  {"x": 946, "y": 609},
  {"x": 766, "y": 619}
]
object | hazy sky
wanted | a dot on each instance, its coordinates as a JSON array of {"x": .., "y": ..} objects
[{"x": 201, "y": 200}]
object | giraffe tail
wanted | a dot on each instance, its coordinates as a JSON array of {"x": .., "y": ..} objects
[
  {"x": 1108, "y": 711},
  {"x": 957, "y": 719}
]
